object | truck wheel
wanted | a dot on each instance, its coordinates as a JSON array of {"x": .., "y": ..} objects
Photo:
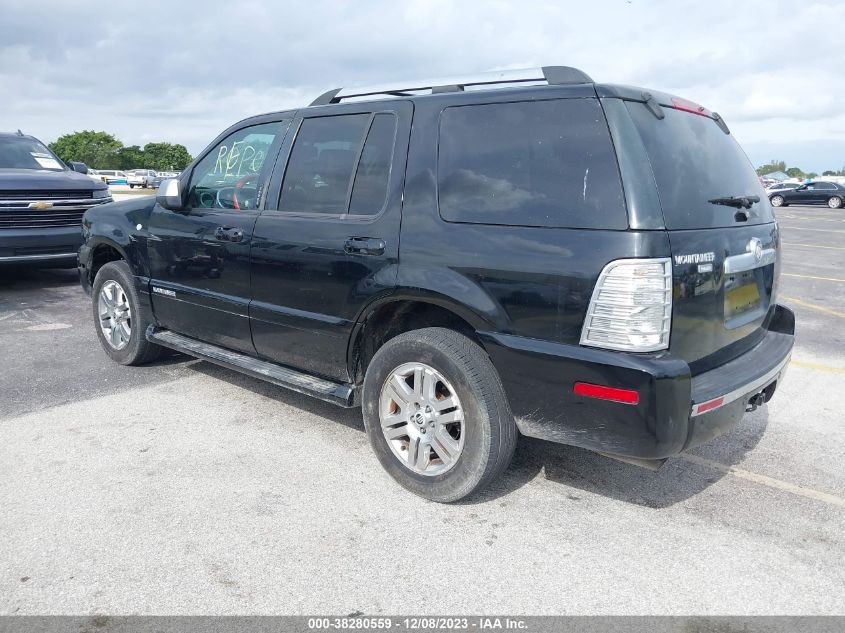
[
  {"x": 436, "y": 414},
  {"x": 119, "y": 318},
  {"x": 131, "y": 186}
]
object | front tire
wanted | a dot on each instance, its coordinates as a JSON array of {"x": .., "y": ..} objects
[
  {"x": 834, "y": 202},
  {"x": 436, "y": 414},
  {"x": 777, "y": 201},
  {"x": 131, "y": 186},
  {"x": 120, "y": 319}
]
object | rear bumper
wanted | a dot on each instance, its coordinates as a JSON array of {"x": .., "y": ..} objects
[
  {"x": 670, "y": 415},
  {"x": 52, "y": 247}
]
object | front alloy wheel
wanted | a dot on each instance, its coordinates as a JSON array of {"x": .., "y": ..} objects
[
  {"x": 835, "y": 202},
  {"x": 115, "y": 315},
  {"x": 422, "y": 419}
]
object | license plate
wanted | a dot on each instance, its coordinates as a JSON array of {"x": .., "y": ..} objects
[{"x": 742, "y": 295}]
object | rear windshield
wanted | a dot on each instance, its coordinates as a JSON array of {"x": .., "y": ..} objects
[
  {"x": 20, "y": 152},
  {"x": 695, "y": 161}
]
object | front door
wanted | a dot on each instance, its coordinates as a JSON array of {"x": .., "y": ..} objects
[
  {"x": 327, "y": 241},
  {"x": 199, "y": 257}
]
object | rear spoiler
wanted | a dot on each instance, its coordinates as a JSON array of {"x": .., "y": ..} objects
[{"x": 655, "y": 101}]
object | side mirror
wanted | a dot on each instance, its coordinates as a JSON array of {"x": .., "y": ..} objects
[
  {"x": 170, "y": 195},
  {"x": 81, "y": 168}
]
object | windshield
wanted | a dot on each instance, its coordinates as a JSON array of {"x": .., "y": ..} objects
[
  {"x": 694, "y": 162},
  {"x": 20, "y": 152}
]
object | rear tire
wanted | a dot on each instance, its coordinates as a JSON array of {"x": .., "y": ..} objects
[
  {"x": 482, "y": 430},
  {"x": 120, "y": 319},
  {"x": 777, "y": 201},
  {"x": 834, "y": 202}
]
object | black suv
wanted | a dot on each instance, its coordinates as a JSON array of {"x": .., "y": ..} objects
[
  {"x": 41, "y": 204},
  {"x": 590, "y": 264}
]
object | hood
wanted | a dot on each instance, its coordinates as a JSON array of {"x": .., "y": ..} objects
[{"x": 29, "y": 179}]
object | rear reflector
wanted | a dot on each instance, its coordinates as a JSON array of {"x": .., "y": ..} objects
[
  {"x": 625, "y": 396},
  {"x": 704, "y": 407}
]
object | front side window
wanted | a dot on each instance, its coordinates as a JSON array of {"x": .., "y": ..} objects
[
  {"x": 230, "y": 174},
  {"x": 532, "y": 163}
]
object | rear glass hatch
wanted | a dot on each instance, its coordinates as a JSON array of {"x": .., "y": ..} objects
[{"x": 722, "y": 231}]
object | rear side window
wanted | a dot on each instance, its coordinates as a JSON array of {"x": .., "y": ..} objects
[
  {"x": 694, "y": 161},
  {"x": 322, "y": 164},
  {"x": 532, "y": 163},
  {"x": 369, "y": 190}
]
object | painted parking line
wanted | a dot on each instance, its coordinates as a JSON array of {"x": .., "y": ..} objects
[
  {"x": 770, "y": 482},
  {"x": 817, "y": 366},
  {"x": 806, "y": 228},
  {"x": 813, "y": 306},
  {"x": 797, "y": 217},
  {"x": 813, "y": 277},
  {"x": 833, "y": 248}
]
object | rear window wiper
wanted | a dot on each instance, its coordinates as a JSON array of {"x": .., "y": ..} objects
[{"x": 740, "y": 202}]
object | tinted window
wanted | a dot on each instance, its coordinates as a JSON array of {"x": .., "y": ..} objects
[
  {"x": 228, "y": 176},
  {"x": 825, "y": 186},
  {"x": 322, "y": 164},
  {"x": 534, "y": 163},
  {"x": 371, "y": 179},
  {"x": 695, "y": 161}
]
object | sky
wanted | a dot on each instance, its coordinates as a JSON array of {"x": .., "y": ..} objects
[{"x": 182, "y": 71}]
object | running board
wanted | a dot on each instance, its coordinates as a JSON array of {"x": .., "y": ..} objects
[{"x": 337, "y": 393}]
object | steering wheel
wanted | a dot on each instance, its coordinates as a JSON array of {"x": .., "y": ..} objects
[{"x": 240, "y": 185}]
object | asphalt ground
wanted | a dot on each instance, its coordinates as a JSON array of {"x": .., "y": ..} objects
[{"x": 184, "y": 488}]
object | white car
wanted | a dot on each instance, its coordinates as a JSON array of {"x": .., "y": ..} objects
[{"x": 142, "y": 178}]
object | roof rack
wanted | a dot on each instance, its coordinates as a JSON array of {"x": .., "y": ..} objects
[{"x": 552, "y": 75}]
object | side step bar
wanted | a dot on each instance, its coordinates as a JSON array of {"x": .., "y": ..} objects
[{"x": 337, "y": 393}]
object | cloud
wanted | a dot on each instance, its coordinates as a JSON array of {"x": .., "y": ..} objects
[{"x": 183, "y": 71}]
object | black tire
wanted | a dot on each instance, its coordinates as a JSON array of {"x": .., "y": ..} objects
[
  {"x": 489, "y": 426},
  {"x": 138, "y": 350},
  {"x": 131, "y": 186},
  {"x": 834, "y": 202}
]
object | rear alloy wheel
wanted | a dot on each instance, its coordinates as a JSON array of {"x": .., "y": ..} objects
[
  {"x": 834, "y": 202},
  {"x": 436, "y": 414},
  {"x": 777, "y": 201}
]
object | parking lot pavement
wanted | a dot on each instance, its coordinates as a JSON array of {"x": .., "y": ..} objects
[{"x": 186, "y": 488}]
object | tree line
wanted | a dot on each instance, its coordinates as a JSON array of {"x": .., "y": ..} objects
[
  {"x": 794, "y": 172},
  {"x": 101, "y": 150}
]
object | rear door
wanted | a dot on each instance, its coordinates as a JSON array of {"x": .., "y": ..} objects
[
  {"x": 725, "y": 258},
  {"x": 327, "y": 241}
]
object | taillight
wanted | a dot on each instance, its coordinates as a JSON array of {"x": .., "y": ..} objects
[{"x": 631, "y": 306}]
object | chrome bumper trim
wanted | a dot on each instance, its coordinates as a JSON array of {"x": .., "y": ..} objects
[{"x": 713, "y": 404}]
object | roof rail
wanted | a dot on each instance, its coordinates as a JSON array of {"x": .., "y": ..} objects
[{"x": 552, "y": 75}]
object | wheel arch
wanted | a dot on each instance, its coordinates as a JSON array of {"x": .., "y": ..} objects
[
  {"x": 391, "y": 315},
  {"x": 102, "y": 252}
]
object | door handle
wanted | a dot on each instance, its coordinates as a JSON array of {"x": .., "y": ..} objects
[
  {"x": 225, "y": 234},
  {"x": 364, "y": 246}
]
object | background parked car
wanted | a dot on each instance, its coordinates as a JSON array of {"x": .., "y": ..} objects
[
  {"x": 143, "y": 178},
  {"x": 780, "y": 186},
  {"x": 113, "y": 176},
  {"x": 821, "y": 192},
  {"x": 93, "y": 173}
]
